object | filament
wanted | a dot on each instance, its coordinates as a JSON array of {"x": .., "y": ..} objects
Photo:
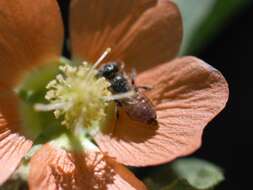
[
  {"x": 100, "y": 59},
  {"x": 48, "y": 107},
  {"x": 120, "y": 96}
]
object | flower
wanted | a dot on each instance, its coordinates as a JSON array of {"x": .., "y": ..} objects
[{"x": 186, "y": 92}]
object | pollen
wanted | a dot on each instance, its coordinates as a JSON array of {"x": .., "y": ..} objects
[{"x": 77, "y": 96}]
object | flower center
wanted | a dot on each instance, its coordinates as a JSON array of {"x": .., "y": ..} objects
[{"x": 77, "y": 96}]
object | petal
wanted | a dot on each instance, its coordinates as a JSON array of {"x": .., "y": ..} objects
[
  {"x": 187, "y": 93},
  {"x": 31, "y": 33},
  {"x": 13, "y": 146},
  {"x": 53, "y": 168},
  {"x": 142, "y": 33}
]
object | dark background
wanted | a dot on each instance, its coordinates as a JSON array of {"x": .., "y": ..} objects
[{"x": 227, "y": 140}]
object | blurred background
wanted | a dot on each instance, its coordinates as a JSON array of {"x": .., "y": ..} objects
[
  {"x": 221, "y": 33},
  {"x": 224, "y": 39}
]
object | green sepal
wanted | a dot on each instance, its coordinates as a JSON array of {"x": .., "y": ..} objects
[
  {"x": 32, "y": 90},
  {"x": 33, "y": 86}
]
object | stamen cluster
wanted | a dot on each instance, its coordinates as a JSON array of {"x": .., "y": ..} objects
[{"x": 77, "y": 95}]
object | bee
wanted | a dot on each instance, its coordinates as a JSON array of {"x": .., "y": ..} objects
[{"x": 137, "y": 106}]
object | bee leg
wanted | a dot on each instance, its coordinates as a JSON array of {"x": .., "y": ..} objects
[
  {"x": 146, "y": 88},
  {"x": 117, "y": 117},
  {"x": 122, "y": 65},
  {"x": 133, "y": 76}
]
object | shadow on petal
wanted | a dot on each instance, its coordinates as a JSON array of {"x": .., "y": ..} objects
[
  {"x": 13, "y": 146},
  {"x": 53, "y": 168}
]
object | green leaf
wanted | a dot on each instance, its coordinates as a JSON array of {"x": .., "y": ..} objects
[
  {"x": 204, "y": 19},
  {"x": 179, "y": 184},
  {"x": 198, "y": 173},
  {"x": 185, "y": 174},
  {"x": 194, "y": 13}
]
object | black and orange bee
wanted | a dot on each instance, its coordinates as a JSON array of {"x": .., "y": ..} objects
[{"x": 137, "y": 106}]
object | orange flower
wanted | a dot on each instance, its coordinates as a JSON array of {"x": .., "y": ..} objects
[{"x": 187, "y": 93}]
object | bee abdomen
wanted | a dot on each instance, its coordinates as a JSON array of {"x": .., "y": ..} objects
[{"x": 141, "y": 110}]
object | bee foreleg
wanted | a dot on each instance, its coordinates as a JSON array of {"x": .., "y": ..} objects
[{"x": 122, "y": 65}]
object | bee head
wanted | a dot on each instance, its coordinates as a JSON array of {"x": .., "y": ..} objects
[{"x": 109, "y": 70}]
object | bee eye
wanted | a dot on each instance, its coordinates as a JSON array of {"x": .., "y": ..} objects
[
  {"x": 109, "y": 70},
  {"x": 120, "y": 84}
]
